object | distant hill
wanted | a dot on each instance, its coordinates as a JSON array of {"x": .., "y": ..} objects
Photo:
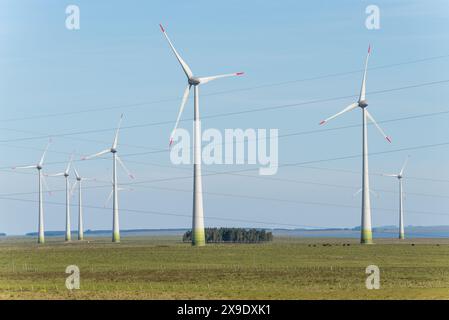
[
  {"x": 354, "y": 232},
  {"x": 2, "y": 234},
  {"x": 108, "y": 232}
]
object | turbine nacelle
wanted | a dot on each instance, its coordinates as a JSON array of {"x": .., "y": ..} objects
[
  {"x": 363, "y": 103},
  {"x": 194, "y": 81}
]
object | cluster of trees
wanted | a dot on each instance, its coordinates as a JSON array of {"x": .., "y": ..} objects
[{"x": 236, "y": 235}]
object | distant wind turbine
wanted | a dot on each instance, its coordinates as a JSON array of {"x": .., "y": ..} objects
[
  {"x": 399, "y": 176},
  {"x": 66, "y": 174},
  {"x": 198, "y": 238},
  {"x": 115, "y": 158},
  {"x": 39, "y": 166},
  {"x": 118, "y": 189},
  {"x": 366, "y": 230},
  {"x": 78, "y": 182}
]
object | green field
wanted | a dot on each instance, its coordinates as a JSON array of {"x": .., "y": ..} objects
[{"x": 164, "y": 268}]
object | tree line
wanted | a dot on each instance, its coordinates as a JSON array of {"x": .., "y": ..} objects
[{"x": 234, "y": 235}]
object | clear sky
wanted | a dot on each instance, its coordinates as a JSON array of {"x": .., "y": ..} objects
[{"x": 119, "y": 62}]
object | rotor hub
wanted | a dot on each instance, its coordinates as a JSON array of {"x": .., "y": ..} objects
[
  {"x": 194, "y": 81},
  {"x": 363, "y": 104},
  {"x": 39, "y": 167},
  {"x": 113, "y": 150}
]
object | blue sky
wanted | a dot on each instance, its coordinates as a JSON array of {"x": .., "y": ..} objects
[{"x": 120, "y": 59}]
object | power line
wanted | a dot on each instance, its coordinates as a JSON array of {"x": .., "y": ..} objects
[
  {"x": 299, "y": 164},
  {"x": 417, "y": 116},
  {"x": 235, "y": 173},
  {"x": 165, "y": 213},
  {"x": 151, "y": 212},
  {"x": 226, "y": 114},
  {"x": 275, "y": 84}
]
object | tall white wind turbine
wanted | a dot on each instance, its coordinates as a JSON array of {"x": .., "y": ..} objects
[
  {"x": 399, "y": 176},
  {"x": 366, "y": 230},
  {"x": 115, "y": 159},
  {"x": 78, "y": 183},
  {"x": 66, "y": 174},
  {"x": 198, "y": 238},
  {"x": 41, "y": 179}
]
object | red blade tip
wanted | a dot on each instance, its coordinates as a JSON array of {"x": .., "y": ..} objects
[
  {"x": 162, "y": 28},
  {"x": 388, "y": 139},
  {"x": 170, "y": 143},
  {"x": 369, "y": 49},
  {"x": 239, "y": 73},
  {"x": 322, "y": 122}
]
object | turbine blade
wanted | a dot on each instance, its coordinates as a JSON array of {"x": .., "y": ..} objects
[
  {"x": 69, "y": 164},
  {"x": 46, "y": 185},
  {"x": 183, "y": 64},
  {"x": 72, "y": 189},
  {"x": 362, "y": 95},
  {"x": 403, "y": 167},
  {"x": 41, "y": 162},
  {"x": 370, "y": 117},
  {"x": 357, "y": 192},
  {"x": 371, "y": 190},
  {"x": 96, "y": 155},
  {"x": 109, "y": 198},
  {"x": 389, "y": 175},
  {"x": 55, "y": 174},
  {"x": 348, "y": 108},
  {"x": 125, "y": 189},
  {"x": 25, "y": 167},
  {"x": 181, "y": 109},
  {"x": 208, "y": 79},
  {"x": 124, "y": 167},
  {"x": 76, "y": 174},
  {"x": 114, "y": 144}
]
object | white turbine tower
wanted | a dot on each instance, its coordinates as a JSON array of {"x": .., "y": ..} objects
[
  {"x": 66, "y": 174},
  {"x": 366, "y": 231},
  {"x": 78, "y": 182},
  {"x": 39, "y": 166},
  {"x": 115, "y": 158},
  {"x": 198, "y": 238},
  {"x": 399, "y": 176}
]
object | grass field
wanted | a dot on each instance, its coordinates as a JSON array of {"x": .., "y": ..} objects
[{"x": 164, "y": 268}]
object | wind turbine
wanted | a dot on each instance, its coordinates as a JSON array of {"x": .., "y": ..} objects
[
  {"x": 366, "y": 231},
  {"x": 115, "y": 158},
  {"x": 65, "y": 174},
  {"x": 78, "y": 182},
  {"x": 399, "y": 176},
  {"x": 198, "y": 238},
  {"x": 41, "y": 179}
]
